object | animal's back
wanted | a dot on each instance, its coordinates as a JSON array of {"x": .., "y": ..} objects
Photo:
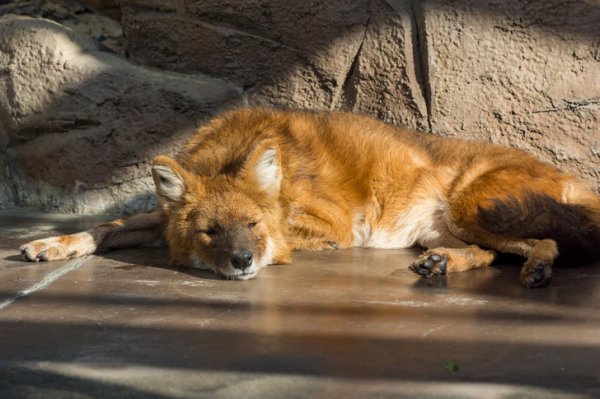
[
  {"x": 356, "y": 142},
  {"x": 348, "y": 158}
]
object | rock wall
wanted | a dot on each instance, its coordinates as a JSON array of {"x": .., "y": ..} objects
[
  {"x": 78, "y": 126},
  {"x": 519, "y": 73},
  {"x": 79, "y": 122},
  {"x": 514, "y": 72},
  {"x": 354, "y": 54}
]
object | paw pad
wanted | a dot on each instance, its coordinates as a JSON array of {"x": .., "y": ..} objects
[{"x": 429, "y": 265}]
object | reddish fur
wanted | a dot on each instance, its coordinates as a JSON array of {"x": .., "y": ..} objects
[
  {"x": 67, "y": 240},
  {"x": 335, "y": 166}
]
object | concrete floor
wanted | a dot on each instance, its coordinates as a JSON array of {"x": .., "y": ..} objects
[{"x": 335, "y": 324}]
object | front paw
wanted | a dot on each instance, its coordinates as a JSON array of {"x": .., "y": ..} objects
[
  {"x": 430, "y": 264},
  {"x": 58, "y": 248},
  {"x": 39, "y": 250}
]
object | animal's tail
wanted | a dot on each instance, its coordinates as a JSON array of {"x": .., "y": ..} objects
[{"x": 574, "y": 227}]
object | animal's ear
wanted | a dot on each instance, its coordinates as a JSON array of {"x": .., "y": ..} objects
[
  {"x": 169, "y": 179},
  {"x": 263, "y": 166}
]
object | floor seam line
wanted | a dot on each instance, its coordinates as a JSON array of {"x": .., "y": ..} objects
[{"x": 44, "y": 283}]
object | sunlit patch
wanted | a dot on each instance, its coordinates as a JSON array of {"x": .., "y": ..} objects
[{"x": 24, "y": 232}]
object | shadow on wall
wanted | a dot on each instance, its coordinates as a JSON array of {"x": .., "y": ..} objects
[
  {"x": 81, "y": 125},
  {"x": 78, "y": 126},
  {"x": 513, "y": 72},
  {"x": 324, "y": 45}
]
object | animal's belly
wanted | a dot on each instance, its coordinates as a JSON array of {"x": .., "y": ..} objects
[{"x": 420, "y": 224}]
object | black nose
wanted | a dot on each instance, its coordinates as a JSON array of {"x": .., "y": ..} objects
[{"x": 241, "y": 259}]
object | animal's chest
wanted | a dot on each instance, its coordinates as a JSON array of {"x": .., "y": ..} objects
[{"x": 419, "y": 224}]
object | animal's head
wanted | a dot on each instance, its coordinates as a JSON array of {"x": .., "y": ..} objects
[{"x": 228, "y": 223}]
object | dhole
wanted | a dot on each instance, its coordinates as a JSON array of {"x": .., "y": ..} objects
[{"x": 255, "y": 184}]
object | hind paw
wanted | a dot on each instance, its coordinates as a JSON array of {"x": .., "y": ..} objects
[
  {"x": 430, "y": 264},
  {"x": 536, "y": 273}
]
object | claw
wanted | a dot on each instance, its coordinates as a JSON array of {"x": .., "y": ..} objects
[
  {"x": 41, "y": 256},
  {"x": 443, "y": 263}
]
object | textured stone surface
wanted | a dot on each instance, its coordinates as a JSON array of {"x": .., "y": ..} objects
[
  {"x": 520, "y": 73},
  {"x": 78, "y": 126},
  {"x": 280, "y": 52},
  {"x": 513, "y": 72},
  {"x": 77, "y": 16},
  {"x": 387, "y": 78},
  {"x": 354, "y": 55}
]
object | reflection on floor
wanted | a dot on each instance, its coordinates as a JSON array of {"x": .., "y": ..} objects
[{"x": 352, "y": 324}]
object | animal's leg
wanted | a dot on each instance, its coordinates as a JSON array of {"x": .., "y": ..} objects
[
  {"x": 454, "y": 255},
  {"x": 448, "y": 254},
  {"x": 140, "y": 229},
  {"x": 315, "y": 229},
  {"x": 522, "y": 221}
]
